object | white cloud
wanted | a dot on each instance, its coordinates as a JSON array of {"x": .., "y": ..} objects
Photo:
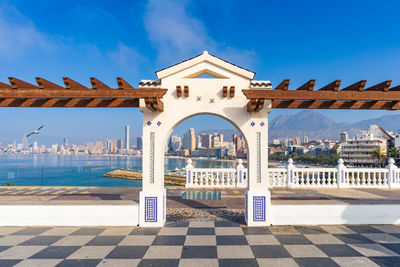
[
  {"x": 177, "y": 35},
  {"x": 126, "y": 57},
  {"x": 18, "y": 34},
  {"x": 173, "y": 32}
]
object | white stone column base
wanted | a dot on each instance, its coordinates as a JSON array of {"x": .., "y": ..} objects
[
  {"x": 258, "y": 208},
  {"x": 152, "y": 210}
]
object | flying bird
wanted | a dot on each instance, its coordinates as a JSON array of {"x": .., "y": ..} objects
[{"x": 35, "y": 132}]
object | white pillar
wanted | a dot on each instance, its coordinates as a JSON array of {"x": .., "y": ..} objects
[
  {"x": 257, "y": 196},
  {"x": 152, "y": 212},
  {"x": 290, "y": 173},
  {"x": 189, "y": 173},
  {"x": 341, "y": 168},
  {"x": 392, "y": 169}
]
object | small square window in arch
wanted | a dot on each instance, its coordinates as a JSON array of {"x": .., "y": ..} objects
[
  {"x": 148, "y": 123},
  {"x": 252, "y": 124}
]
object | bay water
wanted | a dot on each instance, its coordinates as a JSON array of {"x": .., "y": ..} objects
[{"x": 82, "y": 170}]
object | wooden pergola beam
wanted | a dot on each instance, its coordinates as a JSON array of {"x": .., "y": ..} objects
[
  {"x": 358, "y": 86},
  {"x": 312, "y": 104},
  {"x": 70, "y": 103},
  {"x": 123, "y": 85},
  {"x": 74, "y": 94},
  {"x": 379, "y": 96},
  {"x": 383, "y": 86},
  {"x": 333, "y": 86},
  {"x": 322, "y": 95},
  {"x": 309, "y": 86},
  {"x": 284, "y": 85}
]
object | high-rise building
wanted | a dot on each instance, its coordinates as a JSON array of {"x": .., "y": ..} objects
[
  {"x": 217, "y": 140},
  {"x": 120, "y": 144},
  {"x": 305, "y": 139},
  {"x": 297, "y": 141},
  {"x": 189, "y": 140},
  {"x": 25, "y": 142},
  {"x": 276, "y": 142},
  {"x": 175, "y": 143},
  {"x": 237, "y": 141},
  {"x": 65, "y": 141},
  {"x": 127, "y": 137},
  {"x": 205, "y": 140},
  {"x": 344, "y": 137},
  {"x": 198, "y": 142},
  {"x": 139, "y": 143}
]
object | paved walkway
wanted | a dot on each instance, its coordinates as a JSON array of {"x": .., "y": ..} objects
[{"x": 201, "y": 243}]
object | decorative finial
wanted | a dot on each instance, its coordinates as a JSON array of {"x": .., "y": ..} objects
[{"x": 205, "y": 52}]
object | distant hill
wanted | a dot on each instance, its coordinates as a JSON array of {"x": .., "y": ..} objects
[
  {"x": 308, "y": 123},
  {"x": 387, "y": 122},
  {"x": 314, "y": 124}
]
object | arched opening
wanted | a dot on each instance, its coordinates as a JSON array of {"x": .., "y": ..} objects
[{"x": 213, "y": 144}]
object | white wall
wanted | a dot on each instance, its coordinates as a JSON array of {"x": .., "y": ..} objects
[
  {"x": 334, "y": 214},
  {"x": 69, "y": 215}
]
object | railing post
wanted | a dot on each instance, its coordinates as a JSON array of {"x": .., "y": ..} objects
[
  {"x": 240, "y": 174},
  {"x": 340, "y": 173},
  {"x": 290, "y": 173},
  {"x": 189, "y": 173},
  {"x": 392, "y": 169}
]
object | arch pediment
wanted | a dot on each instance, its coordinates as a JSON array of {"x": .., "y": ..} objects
[{"x": 205, "y": 64}]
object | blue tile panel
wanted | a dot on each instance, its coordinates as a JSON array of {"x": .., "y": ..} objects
[
  {"x": 150, "y": 209},
  {"x": 259, "y": 209}
]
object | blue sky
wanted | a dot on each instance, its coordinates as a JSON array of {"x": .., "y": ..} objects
[{"x": 300, "y": 40}]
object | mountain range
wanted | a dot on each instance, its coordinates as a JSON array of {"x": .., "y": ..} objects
[{"x": 314, "y": 124}]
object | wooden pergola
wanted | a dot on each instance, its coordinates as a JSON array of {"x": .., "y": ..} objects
[
  {"x": 47, "y": 94},
  {"x": 379, "y": 96}
]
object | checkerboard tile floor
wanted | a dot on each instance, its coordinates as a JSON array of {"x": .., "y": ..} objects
[{"x": 201, "y": 243}]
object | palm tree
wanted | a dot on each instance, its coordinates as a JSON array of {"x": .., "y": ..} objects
[
  {"x": 394, "y": 152},
  {"x": 379, "y": 155}
]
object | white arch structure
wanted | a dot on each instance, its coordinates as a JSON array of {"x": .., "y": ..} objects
[{"x": 189, "y": 95}]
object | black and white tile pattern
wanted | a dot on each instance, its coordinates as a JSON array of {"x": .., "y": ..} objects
[{"x": 201, "y": 243}]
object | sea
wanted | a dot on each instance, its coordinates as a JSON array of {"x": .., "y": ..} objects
[{"x": 82, "y": 170}]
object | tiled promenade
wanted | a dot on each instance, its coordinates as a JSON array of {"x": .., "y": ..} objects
[
  {"x": 201, "y": 243},
  {"x": 206, "y": 233}
]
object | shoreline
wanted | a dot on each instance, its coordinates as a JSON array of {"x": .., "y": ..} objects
[{"x": 137, "y": 176}]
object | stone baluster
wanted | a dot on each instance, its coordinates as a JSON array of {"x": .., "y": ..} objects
[
  {"x": 341, "y": 168},
  {"x": 240, "y": 169},
  {"x": 290, "y": 173},
  {"x": 189, "y": 173},
  {"x": 392, "y": 169}
]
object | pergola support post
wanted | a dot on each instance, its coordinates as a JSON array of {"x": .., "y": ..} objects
[
  {"x": 257, "y": 196},
  {"x": 152, "y": 210}
]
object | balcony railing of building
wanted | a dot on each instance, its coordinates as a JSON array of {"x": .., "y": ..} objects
[{"x": 295, "y": 177}]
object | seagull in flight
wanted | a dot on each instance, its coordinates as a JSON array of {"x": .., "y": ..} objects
[{"x": 35, "y": 132}]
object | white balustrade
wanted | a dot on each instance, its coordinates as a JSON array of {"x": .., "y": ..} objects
[
  {"x": 314, "y": 177},
  {"x": 295, "y": 177},
  {"x": 277, "y": 177},
  {"x": 216, "y": 178},
  {"x": 362, "y": 177}
]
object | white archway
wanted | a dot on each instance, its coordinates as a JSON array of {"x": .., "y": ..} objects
[{"x": 189, "y": 96}]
